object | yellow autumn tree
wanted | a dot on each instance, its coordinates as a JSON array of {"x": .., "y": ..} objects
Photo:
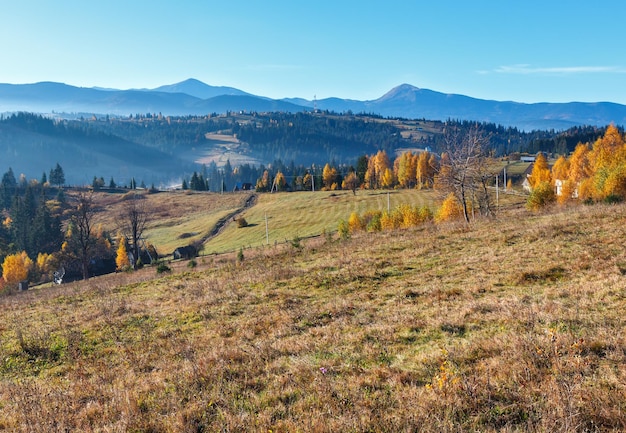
[
  {"x": 444, "y": 173},
  {"x": 579, "y": 164},
  {"x": 45, "y": 263},
  {"x": 560, "y": 169},
  {"x": 355, "y": 223},
  {"x": 390, "y": 220},
  {"x": 329, "y": 177},
  {"x": 121, "y": 258},
  {"x": 387, "y": 180},
  {"x": 307, "y": 182},
  {"x": 370, "y": 181},
  {"x": 426, "y": 168},
  {"x": 376, "y": 168},
  {"x": 560, "y": 175},
  {"x": 350, "y": 182},
  {"x": 280, "y": 183},
  {"x": 450, "y": 209},
  {"x": 405, "y": 167},
  {"x": 540, "y": 172},
  {"x": 608, "y": 161},
  {"x": 614, "y": 184},
  {"x": 263, "y": 183},
  {"x": 541, "y": 195},
  {"x": 15, "y": 267},
  {"x": 608, "y": 150},
  {"x": 580, "y": 171}
]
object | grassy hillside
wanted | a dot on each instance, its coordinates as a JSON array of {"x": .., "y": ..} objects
[
  {"x": 180, "y": 218},
  {"x": 175, "y": 218},
  {"x": 305, "y": 214},
  {"x": 509, "y": 325}
]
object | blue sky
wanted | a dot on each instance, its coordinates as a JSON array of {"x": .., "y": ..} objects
[{"x": 530, "y": 51}]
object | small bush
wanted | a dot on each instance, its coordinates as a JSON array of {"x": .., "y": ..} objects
[
  {"x": 612, "y": 199},
  {"x": 541, "y": 196},
  {"x": 296, "y": 243},
  {"x": 241, "y": 222},
  {"x": 450, "y": 210},
  {"x": 355, "y": 223},
  {"x": 371, "y": 220},
  {"x": 344, "y": 229},
  {"x": 240, "y": 255},
  {"x": 192, "y": 263},
  {"x": 163, "y": 268}
]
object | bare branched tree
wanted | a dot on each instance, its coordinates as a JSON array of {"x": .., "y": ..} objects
[
  {"x": 463, "y": 169},
  {"x": 83, "y": 240},
  {"x": 133, "y": 220}
]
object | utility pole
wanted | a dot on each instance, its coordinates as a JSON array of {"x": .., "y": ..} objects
[
  {"x": 267, "y": 233},
  {"x": 497, "y": 192}
]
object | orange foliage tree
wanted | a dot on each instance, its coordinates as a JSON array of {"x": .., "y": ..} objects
[
  {"x": 355, "y": 223},
  {"x": 350, "y": 182},
  {"x": 329, "y": 177},
  {"x": 426, "y": 168},
  {"x": 121, "y": 258},
  {"x": 15, "y": 267},
  {"x": 280, "y": 183},
  {"x": 405, "y": 169},
  {"x": 376, "y": 167},
  {"x": 450, "y": 209},
  {"x": 597, "y": 172},
  {"x": 540, "y": 172}
]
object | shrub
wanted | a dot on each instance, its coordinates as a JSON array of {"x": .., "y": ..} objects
[
  {"x": 240, "y": 255},
  {"x": 241, "y": 222},
  {"x": 540, "y": 196},
  {"x": 192, "y": 263},
  {"x": 296, "y": 243},
  {"x": 355, "y": 223},
  {"x": 344, "y": 229},
  {"x": 372, "y": 221},
  {"x": 449, "y": 210},
  {"x": 163, "y": 268}
]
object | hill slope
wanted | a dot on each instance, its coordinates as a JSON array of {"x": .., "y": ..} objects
[
  {"x": 511, "y": 325},
  {"x": 32, "y": 145}
]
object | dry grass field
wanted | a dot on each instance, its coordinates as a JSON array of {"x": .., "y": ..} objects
[
  {"x": 175, "y": 218},
  {"x": 514, "y": 324},
  {"x": 178, "y": 218}
]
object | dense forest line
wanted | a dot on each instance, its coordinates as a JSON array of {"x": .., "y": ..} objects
[
  {"x": 151, "y": 148},
  {"x": 307, "y": 138}
]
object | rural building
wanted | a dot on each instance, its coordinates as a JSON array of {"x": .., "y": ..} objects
[
  {"x": 187, "y": 252},
  {"x": 558, "y": 188}
]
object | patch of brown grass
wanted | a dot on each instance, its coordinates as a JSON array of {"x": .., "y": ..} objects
[{"x": 509, "y": 325}]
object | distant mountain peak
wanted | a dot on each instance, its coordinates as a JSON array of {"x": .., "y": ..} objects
[
  {"x": 403, "y": 91},
  {"x": 198, "y": 89},
  {"x": 404, "y": 88}
]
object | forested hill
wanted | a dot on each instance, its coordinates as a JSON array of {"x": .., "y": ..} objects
[
  {"x": 305, "y": 138},
  {"x": 158, "y": 149},
  {"x": 31, "y": 144}
]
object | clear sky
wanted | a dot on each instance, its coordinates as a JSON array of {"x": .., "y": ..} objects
[{"x": 526, "y": 51}]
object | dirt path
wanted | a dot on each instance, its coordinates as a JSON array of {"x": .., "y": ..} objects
[{"x": 223, "y": 222}]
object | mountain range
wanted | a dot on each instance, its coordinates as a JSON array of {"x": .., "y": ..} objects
[{"x": 193, "y": 97}]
